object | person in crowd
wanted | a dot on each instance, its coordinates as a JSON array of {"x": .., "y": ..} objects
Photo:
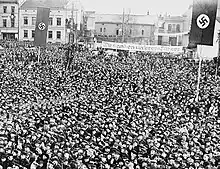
[{"x": 131, "y": 112}]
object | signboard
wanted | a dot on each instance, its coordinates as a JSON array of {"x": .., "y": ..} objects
[{"x": 143, "y": 48}]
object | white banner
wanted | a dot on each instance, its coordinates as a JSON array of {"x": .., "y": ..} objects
[
  {"x": 172, "y": 34},
  {"x": 143, "y": 48}
]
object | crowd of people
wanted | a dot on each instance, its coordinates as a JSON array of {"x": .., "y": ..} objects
[{"x": 110, "y": 112}]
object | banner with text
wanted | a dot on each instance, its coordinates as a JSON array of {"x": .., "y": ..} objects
[{"x": 142, "y": 48}]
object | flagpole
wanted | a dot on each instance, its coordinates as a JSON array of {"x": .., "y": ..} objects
[
  {"x": 216, "y": 71},
  {"x": 123, "y": 20},
  {"x": 199, "y": 75},
  {"x": 38, "y": 55}
]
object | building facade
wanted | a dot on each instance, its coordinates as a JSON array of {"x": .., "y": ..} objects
[
  {"x": 8, "y": 19},
  {"x": 125, "y": 28},
  {"x": 64, "y": 20},
  {"x": 171, "y": 30}
]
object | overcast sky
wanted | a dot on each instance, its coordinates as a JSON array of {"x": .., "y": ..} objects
[{"x": 172, "y": 7}]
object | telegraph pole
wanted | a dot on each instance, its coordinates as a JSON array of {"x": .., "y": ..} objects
[
  {"x": 76, "y": 26},
  {"x": 72, "y": 23},
  {"x": 123, "y": 20},
  {"x": 217, "y": 65},
  {"x": 127, "y": 25}
]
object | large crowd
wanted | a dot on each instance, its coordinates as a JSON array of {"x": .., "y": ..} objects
[{"x": 106, "y": 112}]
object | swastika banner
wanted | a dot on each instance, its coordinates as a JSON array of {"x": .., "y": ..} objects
[
  {"x": 203, "y": 22},
  {"x": 41, "y": 27}
]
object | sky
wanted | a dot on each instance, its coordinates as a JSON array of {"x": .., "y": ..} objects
[{"x": 172, "y": 7}]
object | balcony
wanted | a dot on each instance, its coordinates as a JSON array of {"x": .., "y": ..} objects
[
  {"x": 9, "y": 29},
  {"x": 161, "y": 30},
  {"x": 173, "y": 31}
]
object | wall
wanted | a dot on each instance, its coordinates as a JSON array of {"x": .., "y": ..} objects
[
  {"x": 136, "y": 32},
  {"x": 110, "y": 28}
]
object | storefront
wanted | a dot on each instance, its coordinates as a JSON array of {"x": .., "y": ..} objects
[{"x": 8, "y": 34}]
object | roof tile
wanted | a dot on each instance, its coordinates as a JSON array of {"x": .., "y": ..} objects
[{"x": 44, "y": 3}]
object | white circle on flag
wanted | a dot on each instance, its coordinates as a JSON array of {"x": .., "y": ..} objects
[
  {"x": 203, "y": 21},
  {"x": 41, "y": 26}
]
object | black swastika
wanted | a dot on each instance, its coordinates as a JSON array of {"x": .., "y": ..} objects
[{"x": 203, "y": 21}]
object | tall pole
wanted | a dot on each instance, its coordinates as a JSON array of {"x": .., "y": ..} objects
[
  {"x": 72, "y": 22},
  {"x": 38, "y": 55},
  {"x": 127, "y": 23},
  {"x": 123, "y": 21},
  {"x": 199, "y": 75},
  {"x": 76, "y": 26},
  {"x": 18, "y": 21},
  {"x": 217, "y": 65}
]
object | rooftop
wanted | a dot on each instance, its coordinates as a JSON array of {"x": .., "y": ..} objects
[
  {"x": 9, "y": 1},
  {"x": 172, "y": 18},
  {"x": 44, "y": 3},
  {"x": 132, "y": 19}
]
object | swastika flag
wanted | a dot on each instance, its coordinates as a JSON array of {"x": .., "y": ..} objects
[
  {"x": 41, "y": 27},
  {"x": 203, "y": 22}
]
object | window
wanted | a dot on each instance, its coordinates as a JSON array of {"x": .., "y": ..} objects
[
  {"x": 33, "y": 20},
  {"x": 117, "y": 32},
  {"x": 104, "y": 29},
  {"x": 50, "y": 34},
  {"x": 103, "y": 24},
  {"x": 50, "y": 21},
  {"x": 58, "y": 21},
  {"x": 178, "y": 28},
  {"x": 130, "y": 31},
  {"x": 142, "y": 32},
  {"x": 13, "y": 23},
  {"x": 32, "y": 33},
  {"x": 160, "y": 40},
  {"x": 25, "y": 20},
  {"x": 12, "y": 9},
  {"x": 4, "y": 23},
  {"x": 4, "y": 9},
  {"x": 173, "y": 41},
  {"x": 25, "y": 33},
  {"x": 169, "y": 27},
  {"x": 100, "y": 29},
  {"x": 58, "y": 34}
]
